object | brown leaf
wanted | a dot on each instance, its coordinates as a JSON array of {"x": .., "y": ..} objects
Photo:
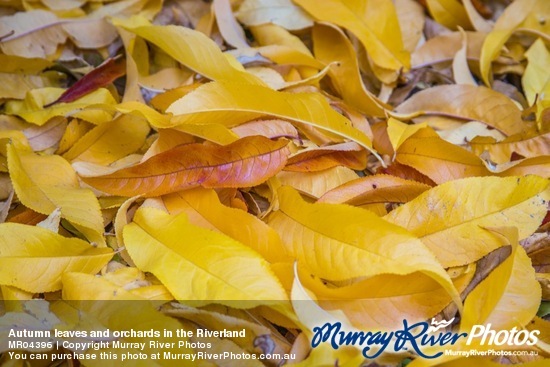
[
  {"x": 101, "y": 76},
  {"x": 247, "y": 162},
  {"x": 405, "y": 172}
]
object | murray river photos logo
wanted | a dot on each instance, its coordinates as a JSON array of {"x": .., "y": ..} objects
[{"x": 417, "y": 336}]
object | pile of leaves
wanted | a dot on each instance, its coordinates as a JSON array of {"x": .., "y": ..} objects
[{"x": 267, "y": 164}]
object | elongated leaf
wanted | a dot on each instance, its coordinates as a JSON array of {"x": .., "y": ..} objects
[
  {"x": 100, "y": 77},
  {"x": 317, "y": 159},
  {"x": 247, "y": 162},
  {"x": 450, "y": 13},
  {"x": 26, "y": 251},
  {"x": 509, "y": 20},
  {"x": 469, "y": 103},
  {"x": 44, "y": 183},
  {"x": 375, "y": 189},
  {"x": 316, "y": 184},
  {"x": 207, "y": 266},
  {"x": 509, "y": 296},
  {"x": 32, "y": 108},
  {"x": 192, "y": 48},
  {"x": 204, "y": 209},
  {"x": 527, "y": 145},
  {"x": 110, "y": 141},
  {"x": 339, "y": 242},
  {"x": 449, "y": 218},
  {"x": 332, "y": 45},
  {"x": 445, "y": 46},
  {"x": 438, "y": 159},
  {"x": 376, "y": 25},
  {"x": 233, "y": 104},
  {"x": 383, "y": 301},
  {"x": 230, "y": 29},
  {"x": 280, "y": 12},
  {"x": 96, "y": 303},
  {"x": 536, "y": 74}
]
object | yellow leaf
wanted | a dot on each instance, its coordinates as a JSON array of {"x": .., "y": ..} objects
[
  {"x": 527, "y": 145},
  {"x": 272, "y": 34},
  {"x": 536, "y": 74},
  {"x": 382, "y": 302},
  {"x": 478, "y": 22},
  {"x": 449, "y": 218},
  {"x": 110, "y": 141},
  {"x": 204, "y": 209},
  {"x": 509, "y": 20},
  {"x": 100, "y": 304},
  {"x": 465, "y": 102},
  {"x": 207, "y": 267},
  {"x": 376, "y": 25},
  {"x": 281, "y": 12},
  {"x": 32, "y": 107},
  {"x": 438, "y": 159},
  {"x": 191, "y": 48},
  {"x": 339, "y": 242},
  {"x": 230, "y": 29},
  {"x": 398, "y": 131},
  {"x": 233, "y": 104},
  {"x": 44, "y": 183},
  {"x": 461, "y": 70},
  {"x": 332, "y": 45},
  {"x": 509, "y": 296},
  {"x": 411, "y": 21},
  {"x": 449, "y": 13},
  {"x": 316, "y": 184},
  {"x": 26, "y": 251}
]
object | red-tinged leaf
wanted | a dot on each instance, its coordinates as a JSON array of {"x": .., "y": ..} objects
[
  {"x": 375, "y": 189},
  {"x": 247, "y": 162},
  {"x": 408, "y": 173},
  {"x": 101, "y": 76},
  {"x": 349, "y": 154}
]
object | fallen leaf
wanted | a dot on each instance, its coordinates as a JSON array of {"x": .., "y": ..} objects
[
  {"x": 201, "y": 261},
  {"x": 203, "y": 208},
  {"x": 110, "y": 141},
  {"x": 230, "y": 29},
  {"x": 466, "y": 102},
  {"x": 44, "y": 183},
  {"x": 348, "y": 154},
  {"x": 526, "y": 145},
  {"x": 449, "y": 13},
  {"x": 310, "y": 233},
  {"x": 191, "y": 48},
  {"x": 437, "y": 159},
  {"x": 247, "y": 162},
  {"x": 456, "y": 216},
  {"x": 280, "y": 12},
  {"x": 374, "y": 23},
  {"x": 26, "y": 250},
  {"x": 375, "y": 189},
  {"x": 103, "y": 75},
  {"x": 536, "y": 74},
  {"x": 316, "y": 184},
  {"x": 331, "y": 45},
  {"x": 235, "y": 104}
]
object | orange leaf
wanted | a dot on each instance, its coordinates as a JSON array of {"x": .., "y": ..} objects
[
  {"x": 349, "y": 154},
  {"x": 438, "y": 159},
  {"x": 246, "y": 162},
  {"x": 375, "y": 189}
]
